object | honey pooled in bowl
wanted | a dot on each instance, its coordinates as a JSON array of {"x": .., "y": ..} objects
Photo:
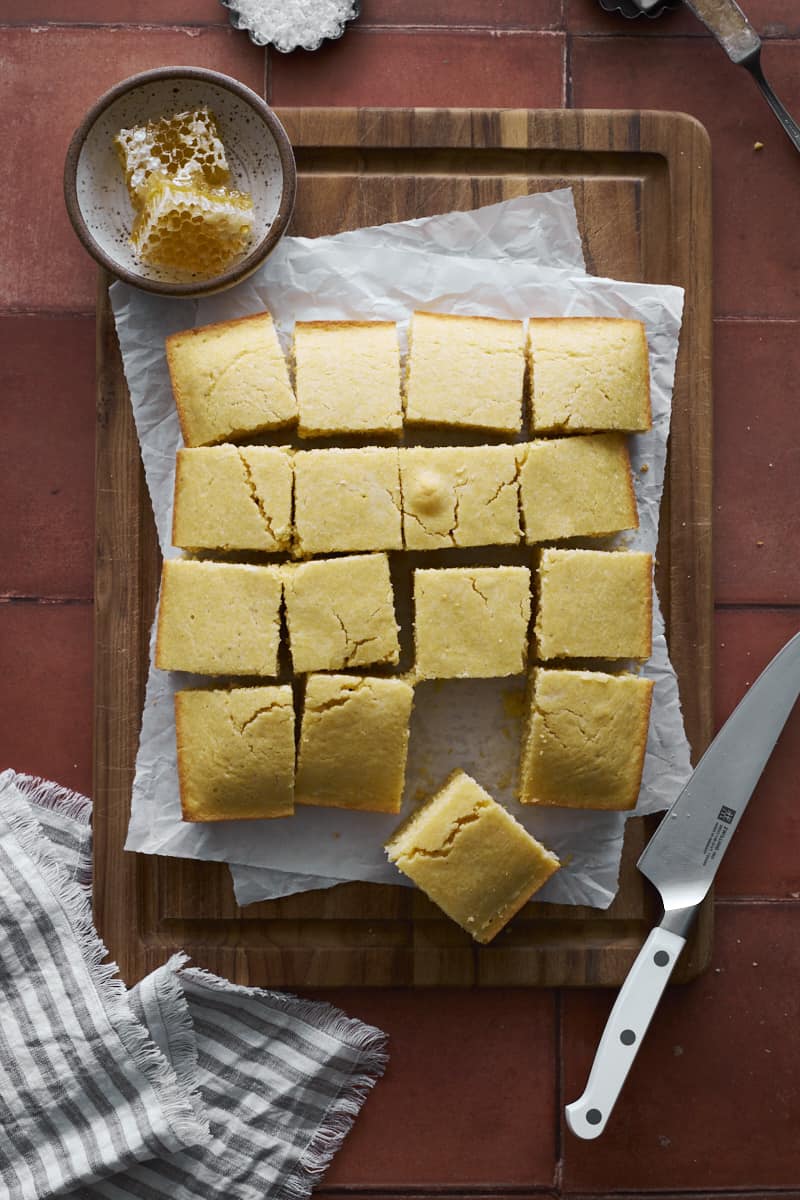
[{"x": 189, "y": 221}]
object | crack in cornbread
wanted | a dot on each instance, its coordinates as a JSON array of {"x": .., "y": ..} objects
[
  {"x": 587, "y": 374},
  {"x": 594, "y": 604},
  {"x": 230, "y": 380},
  {"x": 354, "y": 742},
  {"x": 235, "y": 753},
  {"x": 576, "y": 487},
  {"x": 471, "y": 857},
  {"x": 459, "y": 496},
  {"x": 335, "y": 608},
  {"x": 459, "y": 636},
  {"x": 233, "y": 498},
  {"x": 465, "y": 371},
  {"x": 585, "y": 739},
  {"x": 347, "y": 500}
]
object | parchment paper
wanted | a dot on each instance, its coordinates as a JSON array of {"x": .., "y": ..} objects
[{"x": 380, "y": 273}]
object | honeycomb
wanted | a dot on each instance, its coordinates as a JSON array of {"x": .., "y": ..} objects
[
  {"x": 185, "y": 147},
  {"x": 191, "y": 228}
]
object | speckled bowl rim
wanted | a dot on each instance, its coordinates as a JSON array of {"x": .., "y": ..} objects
[{"x": 242, "y": 269}]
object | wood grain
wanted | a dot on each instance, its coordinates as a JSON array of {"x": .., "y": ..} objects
[{"x": 642, "y": 188}]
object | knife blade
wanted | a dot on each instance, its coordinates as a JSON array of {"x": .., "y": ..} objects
[{"x": 681, "y": 860}]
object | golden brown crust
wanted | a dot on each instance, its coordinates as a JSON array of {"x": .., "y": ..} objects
[
  {"x": 465, "y": 317},
  {"x": 163, "y": 607},
  {"x": 339, "y": 325},
  {"x": 186, "y": 812},
  {"x": 180, "y": 470},
  {"x": 186, "y": 335}
]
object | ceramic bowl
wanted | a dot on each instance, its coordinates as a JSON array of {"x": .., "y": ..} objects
[{"x": 258, "y": 150}]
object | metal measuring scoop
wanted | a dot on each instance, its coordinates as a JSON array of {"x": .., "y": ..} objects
[{"x": 740, "y": 42}]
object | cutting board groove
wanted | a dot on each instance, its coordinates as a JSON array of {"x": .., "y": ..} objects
[{"x": 642, "y": 188}]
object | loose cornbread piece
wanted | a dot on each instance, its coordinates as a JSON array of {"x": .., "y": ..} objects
[
  {"x": 585, "y": 739},
  {"x": 471, "y": 857},
  {"x": 459, "y": 496},
  {"x": 576, "y": 487},
  {"x": 235, "y": 753},
  {"x": 347, "y": 500},
  {"x": 465, "y": 371},
  {"x": 340, "y": 613},
  {"x": 233, "y": 498},
  {"x": 230, "y": 380},
  {"x": 354, "y": 742},
  {"x": 471, "y": 622},
  {"x": 218, "y": 618},
  {"x": 594, "y": 604},
  {"x": 347, "y": 375},
  {"x": 588, "y": 373}
]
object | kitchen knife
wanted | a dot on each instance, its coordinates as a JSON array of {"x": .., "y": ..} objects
[{"x": 681, "y": 860}]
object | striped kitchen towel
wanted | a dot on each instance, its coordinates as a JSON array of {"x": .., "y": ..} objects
[{"x": 187, "y": 1087}]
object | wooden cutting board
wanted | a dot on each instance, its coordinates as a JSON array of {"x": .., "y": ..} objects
[{"x": 642, "y": 187}]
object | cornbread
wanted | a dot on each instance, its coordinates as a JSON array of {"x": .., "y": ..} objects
[
  {"x": 347, "y": 375},
  {"x": 465, "y": 371},
  {"x": 233, "y": 498},
  {"x": 588, "y": 373},
  {"x": 354, "y": 742},
  {"x": 459, "y": 496},
  {"x": 585, "y": 739},
  {"x": 235, "y": 753},
  {"x": 594, "y": 604},
  {"x": 340, "y": 613},
  {"x": 576, "y": 487},
  {"x": 471, "y": 622},
  {"x": 230, "y": 380},
  {"x": 347, "y": 500},
  {"x": 218, "y": 618},
  {"x": 471, "y": 857}
]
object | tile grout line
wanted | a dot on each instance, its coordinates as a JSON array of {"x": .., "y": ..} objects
[
  {"x": 45, "y": 601},
  {"x": 558, "y": 1174},
  {"x": 387, "y": 27}
]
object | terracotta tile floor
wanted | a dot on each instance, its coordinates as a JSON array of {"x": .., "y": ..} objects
[{"x": 472, "y": 1100}]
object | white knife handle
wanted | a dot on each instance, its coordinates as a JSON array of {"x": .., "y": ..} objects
[{"x": 624, "y": 1031}]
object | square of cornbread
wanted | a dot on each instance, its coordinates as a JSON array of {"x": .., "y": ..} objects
[
  {"x": 576, "y": 487},
  {"x": 354, "y": 742},
  {"x": 594, "y": 604},
  {"x": 233, "y": 498},
  {"x": 347, "y": 376},
  {"x": 218, "y": 618},
  {"x": 588, "y": 373},
  {"x": 471, "y": 857},
  {"x": 230, "y": 380},
  {"x": 585, "y": 739},
  {"x": 347, "y": 500},
  {"x": 459, "y": 496},
  {"x": 465, "y": 371},
  {"x": 340, "y": 613},
  {"x": 471, "y": 622},
  {"x": 235, "y": 753}
]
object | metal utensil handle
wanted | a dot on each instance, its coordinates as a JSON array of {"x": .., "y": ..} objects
[
  {"x": 628, "y": 1023},
  {"x": 790, "y": 126}
]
